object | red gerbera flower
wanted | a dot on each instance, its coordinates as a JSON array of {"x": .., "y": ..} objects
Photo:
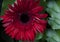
[{"x": 22, "y": 20}]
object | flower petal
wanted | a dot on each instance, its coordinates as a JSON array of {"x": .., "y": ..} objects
[
  {"x": 13, "y": 33},
  {"x": 37, "y": 9},
  {"x": 41, "y": 15}
]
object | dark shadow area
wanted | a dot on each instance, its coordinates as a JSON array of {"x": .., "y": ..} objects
[{"x": 2, "y": 32}]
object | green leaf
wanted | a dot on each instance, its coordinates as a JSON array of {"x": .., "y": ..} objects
[
  {"x": 54, "y": 24},
  {"x": 52, "y": 36},
  {"x": 58, "y": 32},
  {"x": 19, "y": 41},
  {"x": 5, "y": 5},
  {"x": 0, "y": 19},
  {"x": 54, "y": 11},
  {"x": 50, "y": 40},
  {"x": 58, "y": 2},
  {"x": 39, "y": 36}
]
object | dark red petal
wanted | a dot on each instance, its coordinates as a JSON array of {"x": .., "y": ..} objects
[
  {"x": 33, "y": 4},
  {"x": 8, "y": 12},
  {"x": 6, "y": 24},
  {"x": 15, "y": 5},
  {"x": 30, "y": 35},
  {"x": 22, "y": 35},
  {"x": 20, "y": 6},
  {"x": 41, "y": 15},
  {"x": 37, "y": 2},
  {"x": 39, "y": 27},
  {"x": 42, "y": 22},
  {"x": 13, "y": 33},
  {"x": 26, "y": 5},
  {"x": 9, "y": 29},
  {"x": 26, "y": 36},
  {"x": 4, "y": 16},
  {"x": 34, "y": 29},
  {"x": 37, "y": 9},
  {"x": 12, "y": 8},
  {"x": 7, "y": 20},
  {"x": 18, "y": 2},
  {"x": 18, "y": 36}
]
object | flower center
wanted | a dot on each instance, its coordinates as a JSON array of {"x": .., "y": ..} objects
[{"x": 24, "y": 18}]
